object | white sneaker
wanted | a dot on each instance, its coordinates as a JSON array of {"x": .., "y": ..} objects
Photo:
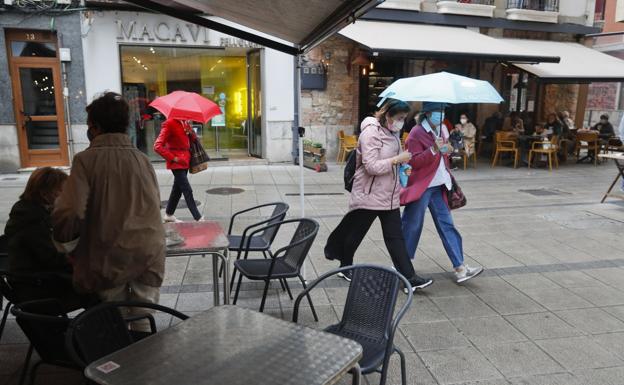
[
  {"x": 170, "y": 219},
  {"x": 202, "y": 219},
  {"x": 466, "y": 272}
]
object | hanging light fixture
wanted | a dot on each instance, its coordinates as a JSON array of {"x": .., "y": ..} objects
[{"x": 361, "y": 59}]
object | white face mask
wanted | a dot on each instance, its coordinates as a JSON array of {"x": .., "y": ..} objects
[
  {"x": 463, "y": 121},
  {"x": 398, "y": 125}
]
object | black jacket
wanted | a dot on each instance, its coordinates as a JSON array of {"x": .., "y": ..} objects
[
  {"x": 604, "y": 128},
  {"x": 30, "y": 246}
]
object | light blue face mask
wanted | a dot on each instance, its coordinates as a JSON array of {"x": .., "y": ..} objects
[{"x": 436, "y": 117}]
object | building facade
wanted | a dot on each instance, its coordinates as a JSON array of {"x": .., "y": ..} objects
[
  {"x": 516, "y": 23},
  {"x": 42, "y": 108},
  {"x": 59, "y": 61},
  {"x": 607, "y": 98}
]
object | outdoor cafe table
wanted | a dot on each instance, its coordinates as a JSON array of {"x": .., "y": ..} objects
[
  {"x": 619, "y": 163},
  {"x": 204, "y": 238},
  {"x": 229, "y": 345}
]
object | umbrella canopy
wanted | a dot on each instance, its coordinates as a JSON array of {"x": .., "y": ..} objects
[
  {"x": 186, "y": 106},
  {"x": 442, "y": 87}
]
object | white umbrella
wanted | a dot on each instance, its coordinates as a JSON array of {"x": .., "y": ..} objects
[{"x": 442, "y": 87}]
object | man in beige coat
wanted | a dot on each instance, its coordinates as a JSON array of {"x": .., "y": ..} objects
[{"x": 110, "y": 208}]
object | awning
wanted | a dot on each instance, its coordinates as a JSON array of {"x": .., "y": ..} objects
[
  {"x": 433, "y": 41},
  {"x": 304, "y": 23},
  {"x": 579, "y": 64}
]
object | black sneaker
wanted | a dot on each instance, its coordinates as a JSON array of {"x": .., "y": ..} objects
[
  {"x": 347, "y": 275},
  {"x": 419, "y": 283}
]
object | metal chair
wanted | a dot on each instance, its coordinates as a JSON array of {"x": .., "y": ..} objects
[
  {"x": 505, "y": 142},
  {"x": 349, "y": 143},
  {"x": 549, "y": 148},
  {"x": 8, "y": 290},
  {"x": 102, "y": 330},
  {"x": 465, "y": 157},
  {"x": 341, "y": 136},
  {"x": 589, "y": 141},
  {"x": 256, "y": 241},
  {"x": 368, "y": 315},
  {"x": 285, "y": 263},
  {"x": 44, "y": 322}
]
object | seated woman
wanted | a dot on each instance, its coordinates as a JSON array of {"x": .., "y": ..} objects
[
  {"x": 30, "y": 246},
  {"x": 469, "y": 132}
]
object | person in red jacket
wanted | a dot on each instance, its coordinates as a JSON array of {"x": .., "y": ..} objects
[
  {"x": 174, "y": 144},
  {"x": 427, "y": 186}
]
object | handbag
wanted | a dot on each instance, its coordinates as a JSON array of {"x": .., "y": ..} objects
[
  {"x": 199, "y": 158},
  {"x": 455, "y": 195}
]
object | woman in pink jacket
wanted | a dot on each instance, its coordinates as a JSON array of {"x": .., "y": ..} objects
[
  {"x": 375, "y": 193},
  {"x": 174, "y": 144},
  {"x": 427, "y": 186}
]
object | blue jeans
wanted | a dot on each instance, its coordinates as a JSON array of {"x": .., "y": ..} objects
[{"x": 413, "y": 220}]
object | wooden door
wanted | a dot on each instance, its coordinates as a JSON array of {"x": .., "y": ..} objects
[{"x": 37, "y": 97}]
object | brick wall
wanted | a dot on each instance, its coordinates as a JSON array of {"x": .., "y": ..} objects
[{"x": 325, "y": 112}]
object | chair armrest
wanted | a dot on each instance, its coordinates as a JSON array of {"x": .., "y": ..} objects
[
  {"x": 149, "y": 317},
  {"x": 250, "y": 236},
  {"x": 245, "y": 211},
  {"x": 312, "y": 286}
]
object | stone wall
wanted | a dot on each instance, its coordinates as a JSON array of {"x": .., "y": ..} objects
[
  {"x": 560, "y": 97},
  {"x": 325, "y": 112}
]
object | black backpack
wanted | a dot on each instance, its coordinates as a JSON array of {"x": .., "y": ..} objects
[{"x": 349, "y": 170}]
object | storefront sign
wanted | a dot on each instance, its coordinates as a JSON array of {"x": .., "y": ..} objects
[{"x": 165, "y": 32}]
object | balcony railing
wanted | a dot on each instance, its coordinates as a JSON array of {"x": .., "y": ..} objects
[
  {"x": 534, "y": 5},
  {"x": 484, "y": 8},
  {"x": 482, "y": 2}
]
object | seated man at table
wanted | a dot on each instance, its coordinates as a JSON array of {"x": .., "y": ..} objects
[
  {"x": 110, "y": 210},
  {"x": 604, "y": 127}
]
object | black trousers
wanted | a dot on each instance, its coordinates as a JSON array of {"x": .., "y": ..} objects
[
  {"x": 181, "y": 186},
  {"x": 346, "y": 238}
]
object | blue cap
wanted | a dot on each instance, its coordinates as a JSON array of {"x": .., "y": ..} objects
[{"x": 433, "y": 106}]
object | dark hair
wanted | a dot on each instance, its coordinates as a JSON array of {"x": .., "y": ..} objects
[
  {"x": 109, "y": 113},
  {"x": 391, "y": 108},
  {"x": 464, "y": 114},
  {"x": 44, "y": 185},
  {"x": 604, "y": 116}
]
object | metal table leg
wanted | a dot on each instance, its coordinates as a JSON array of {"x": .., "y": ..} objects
[
  {"x": 215, "y": 278},
  {"x": 620, "y": 168},
  {"x": 357, "y": 374},
  {"x": 226, "y": 275},
  {"x": 216, "y": 256}
]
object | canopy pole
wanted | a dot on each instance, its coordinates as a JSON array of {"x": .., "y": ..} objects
[{"x": 300, "y": 132}]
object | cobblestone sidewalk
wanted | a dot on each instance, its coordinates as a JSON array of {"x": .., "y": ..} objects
[{"x": 548, "y": 310}]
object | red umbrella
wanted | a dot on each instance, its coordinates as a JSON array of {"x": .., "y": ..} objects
[{"x": 186, "y": 106}]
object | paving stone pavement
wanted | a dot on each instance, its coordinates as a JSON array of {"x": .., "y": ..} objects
[{"x": 549, "y": 309}]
